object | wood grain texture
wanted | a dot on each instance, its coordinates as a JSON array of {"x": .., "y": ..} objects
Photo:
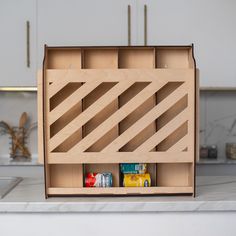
[
  {"x": 120, "y": 190},
  {"x": 164, "y": 132},
  {"x": 89, "y": 113},
  {"x": 120, "y": 157},
  {"x": 173, "y": 175},
  {"x": 115, "y": 118},
  {"x": 118, "y": 75},
  {"x": 145, "y": 120}
]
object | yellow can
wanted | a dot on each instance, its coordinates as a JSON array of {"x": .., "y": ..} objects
[{"x": 137, "y": 180}]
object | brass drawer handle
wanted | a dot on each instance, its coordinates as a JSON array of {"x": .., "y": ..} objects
[
  {"x": 129, "y": 25},
  {"x": 28, "y": 44},
  {"x": 145, "y": 25}
]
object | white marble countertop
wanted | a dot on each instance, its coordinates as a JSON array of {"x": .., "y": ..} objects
[{"x": 214, "y": 193}]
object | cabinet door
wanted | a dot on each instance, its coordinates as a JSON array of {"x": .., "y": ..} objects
[
  {"x": 210, "y": 25},
  {"x": 84, "y": 23},
  {"x": 13, "y": 47}
]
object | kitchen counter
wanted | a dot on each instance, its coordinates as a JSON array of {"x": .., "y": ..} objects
[
  {"x": 10, "y": 162},
  {"x": 214, "y": 193}
]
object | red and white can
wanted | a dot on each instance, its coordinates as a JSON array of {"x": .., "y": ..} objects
[{"x": 100, "y": 180}]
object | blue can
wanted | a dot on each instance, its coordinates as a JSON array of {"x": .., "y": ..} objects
[{"x": 106, "y": 180}]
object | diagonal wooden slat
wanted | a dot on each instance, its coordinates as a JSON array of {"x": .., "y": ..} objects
[
  {"x": 59, "y": 82},
  {"x": 89, "y": 113},
  {"x": 164, "y": 132},
  {"x": 180, "y": 145},
  {"x": 56, "y": 87},
  {"x": 148, "y": 118},
  {"x": 119, "y": 115},
  {"x": 72, "y": 100}
]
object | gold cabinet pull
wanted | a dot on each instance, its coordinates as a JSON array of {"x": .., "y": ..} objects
[
  {"x": 28, "y": 44},
  {"x": 129, "y": 25},
  {"x": 145, "y": 25}
]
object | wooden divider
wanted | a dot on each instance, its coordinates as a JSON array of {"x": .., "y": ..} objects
[{"x": 101, "y": 59}]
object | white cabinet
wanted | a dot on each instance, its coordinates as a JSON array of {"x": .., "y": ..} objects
[
  {"x": 84, "y": 23},
  {"x": 13, "y": 47},
  {"x": 210, "y": 25},
  {"x": 207, "y": 24}
]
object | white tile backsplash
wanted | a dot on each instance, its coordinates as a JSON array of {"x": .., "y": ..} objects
[{"x": 217, "y": 117}]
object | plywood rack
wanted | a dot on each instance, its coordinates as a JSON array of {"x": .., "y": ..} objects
[{"x": 101, "y": 106}]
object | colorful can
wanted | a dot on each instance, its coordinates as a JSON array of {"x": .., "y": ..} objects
[
  {"x": 133, "y": 168},
  {"x": 101, "y": 180},
  {"x": 231, "y": 150},
  {"x": 212, "y": 152},
  {"x": 137, "y": 180}
]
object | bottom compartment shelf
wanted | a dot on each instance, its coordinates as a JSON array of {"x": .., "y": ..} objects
[
  {"x": 121, "y": 191},
  {"x": 166, "y": 178}
]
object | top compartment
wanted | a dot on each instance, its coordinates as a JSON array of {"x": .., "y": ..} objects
[
  {"x": 162, "y": 57},
  {"x": 63, "y": 58},
  {"x": 137, "y": 58},
  {"x": 100, "y": 58},
  {"x": 174, "y": 58}
]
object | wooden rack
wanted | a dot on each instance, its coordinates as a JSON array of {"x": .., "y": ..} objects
[{"x": 101, "y": 106}]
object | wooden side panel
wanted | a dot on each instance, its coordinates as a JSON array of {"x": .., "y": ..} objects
[
  {"x": 40, "y": 117},
  {"x": 197, "y": 132},
  {"x": 131, "y": 59},
  {"x": 197, "y": 115}
]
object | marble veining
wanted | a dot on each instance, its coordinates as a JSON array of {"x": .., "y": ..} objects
[{"x": 214, "y": 193}]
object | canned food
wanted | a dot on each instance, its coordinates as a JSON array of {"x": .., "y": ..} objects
[
  {"x": 231, "y": 150},
  {"x": 212, "y": 152},
  {"x": 101, "y": 180},
  {"x": 204, "y": 152},
  {"x": 137, "y": 180},
  {"x": 133, "y": 168}
]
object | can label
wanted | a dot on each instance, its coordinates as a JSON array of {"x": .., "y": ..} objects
[
  {"x": 137, "y": 180},
  {"x": 100, "y": 180},
  {"x": 133, "y": 168}
]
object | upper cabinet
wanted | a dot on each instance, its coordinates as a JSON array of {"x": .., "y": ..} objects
[
  {"x": 18, "y": 42},
  {"x": 210, "y": 25},
  {"x": 84, "y": 23},
  {"x": 207, "y": 24}
]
